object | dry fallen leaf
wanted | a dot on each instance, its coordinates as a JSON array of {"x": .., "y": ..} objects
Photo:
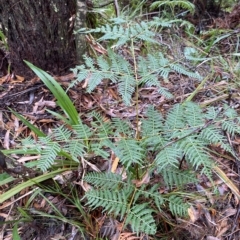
[
  {"x": 193, "y": 214},
  {"x": 114, "y": 165},
  {"x": 144, "y": 180}
]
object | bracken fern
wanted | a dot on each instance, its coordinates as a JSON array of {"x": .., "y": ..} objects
[
  {"x": 156, "y": 151},
  {"x": 185, "y": 133}
]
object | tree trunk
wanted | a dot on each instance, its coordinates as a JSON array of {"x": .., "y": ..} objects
[{"x": 41, "y": 32}]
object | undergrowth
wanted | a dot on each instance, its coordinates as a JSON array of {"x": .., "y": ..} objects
[
  {"x": 153, "y": 145},
  {"x": 156, "y": 147}
]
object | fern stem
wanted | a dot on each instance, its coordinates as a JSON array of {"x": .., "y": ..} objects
[
  {"x": 137, "y": 136},
  {"x": 137, "y": 90},
  {"x": 129, "y": 207}
]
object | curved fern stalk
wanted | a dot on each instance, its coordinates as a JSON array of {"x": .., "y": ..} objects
[{"x": 172, "y": 4}]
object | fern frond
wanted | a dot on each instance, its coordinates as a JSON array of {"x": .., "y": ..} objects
[
  {"x": 76, "y": 148},
  {"x": 119, "y": 65},
  {"x": 168, "y": 157},
  {"x": 230, "y": 112},
  {"x": 151, "y": 193},
  {"x": 166, "y": 23},
  {"x": 48, "y": 155},
  {"x": 142, "y": 32},
  {"x": 179, "y": 69},
  {"x": 126, "y": 87},
  {"x": 232, "y": 127},
  {"x": 211, "y": 113},
  {"x": 98, "y": 148},
  {"x": 193, "y": 114},
  {"x": 141, "y": 219},
  {"x": 164, "y": 92},
  {"x": 153, "y": 143},
  {"x": 129, "y": 151},
  {"x": 153, "y": 66},
  {"x": 82, "y": 131},
  {"x": 123, "y": 34},
  {"x": 103, "y": 64},
  {"x": 104, "y": 180},
  {"x": 61, "y": 133},
  {"x": 175, "y": 177},
  {"x": 30, "y": 143},
  {"x": 122, "y": 127},
  {"x": 195, "y": 151},
  {"x": 103, "y": 127},
  {"x": 95, "y": 78},
  {"x": 153, "y": 124},
  {"x": 172, "y": 4},
  {"x": 214, "y": 136},
  {"x": 175, "y": 118},
  {"x": 177, "y": 206},
  {"x": 112, "y": 201}
]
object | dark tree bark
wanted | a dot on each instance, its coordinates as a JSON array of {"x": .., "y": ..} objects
[{"x": 41, "y": 32}]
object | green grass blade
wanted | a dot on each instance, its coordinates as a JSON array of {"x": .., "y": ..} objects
[
  {"x": 28, "y": 124},
  {"x": 62, "y": 98},
  {"x": 5, "y": 196}
]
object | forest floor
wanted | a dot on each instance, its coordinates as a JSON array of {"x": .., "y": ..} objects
[{"x": 216, "y": 217}]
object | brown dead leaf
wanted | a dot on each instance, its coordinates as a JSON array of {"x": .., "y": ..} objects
[
  {"x": 86, "y": 81},
  {"x": 6, "y": 143},
  {"x": 95, "y": 45},
  {"x": 113, "y": 93},
  {"x": 29, "y": 158},
  {"x": 144, "y": 180},
  {"x": 204, "y": 191},
  {"x": 228, "y": 182},
  {"x": 114, "y": 165},
  {"x": 17, "y": 79},
  {"x": 223, "y": 230},
  {"x": 230, "y": 212},
  {"x": 85, "y": 186},
  {"x": 128, "y": 236},
  {"x": 193, "y": 214}
]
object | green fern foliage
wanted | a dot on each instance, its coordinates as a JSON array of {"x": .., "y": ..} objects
[
  {"x": 184, "y": 134},
  {"x": 114, "y": 196},
  {"x": 193, "y": 114},
  {"x": 174, "y": 177},
  {"x": 231, "y": 126},
  {"x": 110, "y": 200},
  {"x": 172, "y": 4},
  {"x": 150, "y": 69},
  {"x": 49, "y": 153},
  {"x": 168, "y": 157},
  {"x": 195, "y": 151},
  {"x": 124, "y": 31},
  {"x": 104, "y": 180},
  {"x": 141, "y": 220},
  {"x": 119, "y": 71},
  {"x": 129, "y": 151},
  {"x": 177, "y": 206}
]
